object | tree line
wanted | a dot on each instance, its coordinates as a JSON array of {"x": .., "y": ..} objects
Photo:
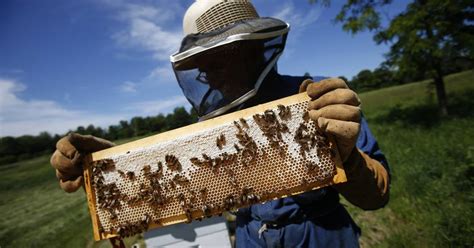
[
  {"x": 428, "y": 39},
  {"x": 385, "y": 76},
  {"x": 14, "y": 149}
]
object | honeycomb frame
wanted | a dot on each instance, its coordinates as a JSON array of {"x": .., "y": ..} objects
[{"x": 232, "y": 161}]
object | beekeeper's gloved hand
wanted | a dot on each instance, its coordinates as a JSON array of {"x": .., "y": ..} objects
[
  {"x": 67, "y": 159},
  {"x": 335, "y": 109}
]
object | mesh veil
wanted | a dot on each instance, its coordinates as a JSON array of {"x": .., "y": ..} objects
[{"x": 221, "y": 69}]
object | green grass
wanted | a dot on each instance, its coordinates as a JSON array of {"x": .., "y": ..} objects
[
  {"x": 431, "y": 158},
  {"x": 432, "y": 166},
  {"x": 414, "y": 93},
  {"x": 35, "y": 212}
]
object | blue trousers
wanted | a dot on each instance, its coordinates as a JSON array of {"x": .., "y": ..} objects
[{"x": 336, "y": 229}]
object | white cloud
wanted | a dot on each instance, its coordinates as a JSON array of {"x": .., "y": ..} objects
[
  {"x": 128, "y": 87},
  {"x": 148, "y": 36},
  {"x": 129, "y": 11},
  {"x": 162, "y": 73},
  {"x": 298, "y": 20},
  {"x": 159, "y": 106},
  {"x": 148, "y": 28},
  {"x": 158, "y": 77},
  {"x": 151, "y": 28},
  {"x": 19, "y": 116},
  {"x": 12, "y": 71}
]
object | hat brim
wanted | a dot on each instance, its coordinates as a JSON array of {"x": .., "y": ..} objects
[{"x": 251, "y": 29}]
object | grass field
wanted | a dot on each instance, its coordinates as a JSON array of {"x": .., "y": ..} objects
[
  {"x": 431, "y": 159},
  {"x": 432, "y": 166}
]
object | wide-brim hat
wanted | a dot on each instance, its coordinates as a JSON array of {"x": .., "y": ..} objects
[
  {"x": 212, "y": 23},
  {"x": 253, "y": 29},
  {"x": 226, "y": 54}
]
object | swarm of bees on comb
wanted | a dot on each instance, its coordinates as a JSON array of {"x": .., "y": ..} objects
[{"x": 248, "y": 165}]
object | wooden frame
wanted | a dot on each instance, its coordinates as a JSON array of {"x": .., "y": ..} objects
[{"x": 340, "y": 176}]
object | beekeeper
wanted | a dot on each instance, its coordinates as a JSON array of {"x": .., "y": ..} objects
[{"x": 228, "y": 61}]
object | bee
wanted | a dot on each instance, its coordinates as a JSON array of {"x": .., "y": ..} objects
[
  {"x": 195, "y": 161},
  {"x": 180, "y": 180},
  {"x": 173, "y": 163},
  {"x": 281, "y": 151},
  {"x": 215, "y": 164},
  {"x": 237, "y": 148},
  {"x": 172, "y": 184},
  {"x": 189, "y": 217},
  {"x": 284, "y": 128},
  {"x": 333, "y": 152},
  {"x": 99, "y": 182},
  {"x": 121, "y": 173},
  {"x": 113, "y": 215},
  {"x": 251, "y": 197},
  {"x": 229, "y": 202},
  {"x": 306, "y": 116},
  {"x": 244, "y": 198},
  {"x": 130, "y": 175},
  {"x": 159, "y": 171},
  {"x": 146, "y": 220},
  {"x": 181, "y": 198},
  {"x": 269, "y": 115},
  {"x": 103, "y": 165},
  {"x": 312, "y": 168},
  {"x": 244, "y": 123},
  {"x": 203, "y": 193},
  {"x": 284, "y": 113},
  {"x": 304, "y": 181},
  {"x": 146, "y": 169},
  {"x": 220, "y": 141},
  {"x": 192, "y": 199},
  {"x": 204, "y": 156},
  {"x": 233, "y": 180},
  {"x": 207, "y": 210},
  {"x": 239, "y": 128},
  {"x": 230, "y": 159}
]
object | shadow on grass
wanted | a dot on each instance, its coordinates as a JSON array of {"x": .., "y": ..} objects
[{"x": 427, "y": 115}]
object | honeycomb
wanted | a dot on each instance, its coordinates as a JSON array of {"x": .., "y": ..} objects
[{"x": 253, "y": 159}]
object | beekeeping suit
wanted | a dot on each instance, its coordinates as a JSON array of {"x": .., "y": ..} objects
[{"x": 226, "y": 62}]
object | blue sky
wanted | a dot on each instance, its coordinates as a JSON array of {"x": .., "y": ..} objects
[{"x": 66, "y": 63}]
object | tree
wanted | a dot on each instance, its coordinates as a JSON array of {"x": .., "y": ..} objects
[
  {"x": 158, "y": 123},
  {"x": 138, "y": 126},
  {"x": 383, "y": 77},
  {"x": 179, "y": 118},
  {"x": 363, "y": 81},
  {"x": 124, "y": 131},
  {"x": 344, "y": 79},
  {"x": 113, "y": 132},
  {"x": 428, "y": 38},
  {"x": 81, "y": 130},
  {"x": 426, "y": 35}
]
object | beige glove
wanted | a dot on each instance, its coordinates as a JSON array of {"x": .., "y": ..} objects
[
  {"x": 367, "y": 182},
  {"x": 336, "y": 110},
  {"x": 67, "y": 159}
]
